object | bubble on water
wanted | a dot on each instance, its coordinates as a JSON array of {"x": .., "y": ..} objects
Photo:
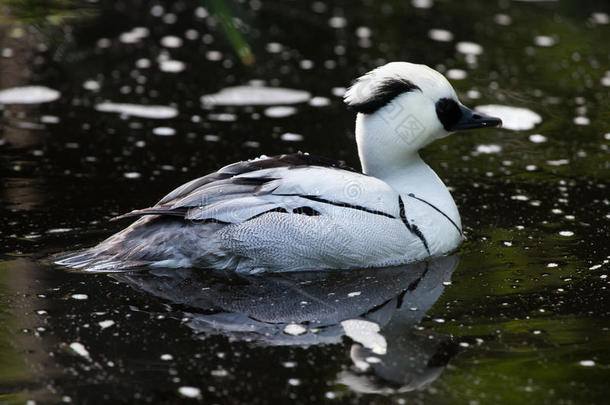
[
  {"x": 166, "y": 357},
  {"x": 171, "y": 66},
  {"x": 488, "y": 149},
  {"x": 537, "y": 138},
  {"x": 319, "y": 101},
  {"x": 519, "y": 197},
  {"x": 143, "y": 63},
  {"x": 422, "y": 3},
  {"x": 337, "y": 22},
  {"x": 581, "y": 121},
  {"x": 220, "y": 372},
  {"x": 306, "y": 64},
  {"x": 279, "y": 111},
  {"x": 544, "y": 41},
  {"x": 189, "y": 392},
  {"x": 253, "y": 95},
  {"x": 28, "y": 95},
  {"x": 80, "y": 349},
  {"x": 363, "y": 32},
  {"x": 274, "y": 47},
  {"x": 587, "y": 363},
  {"x": 91, "y": 85},
  {"x": 171, "y": 41},
  {"x": 457, "y": 74},
  {"x": 531, "y": 168},
  {"x": 49, "y": 119},
  {"x": 137, "y": 110},
  {"x": 294, "y": 382},
  {"x": 106, "y": 324},
  {"x": 558, "y": 162},
  {"x": 600, "y": 18},
  {"x": 291, "y": 137},
  {"x": 338, "y": 91},
  {"x": 134, "y": 36},
  {"x": 79, "y": 296},
  {"x": 469, "y": 48},
  {"x": 354, "y": 294},
  {"x": 289, "y": 364},
  {"x": 503, "y": 19},
  {"x": 222, "y": 117},
  {"x": 566, "y": 233},
  {"x": 513, "y": 118},
  {"x": 440, "y": 35},
  {"x": 473, "y": 94},
  {"x": 164, "y": 131},
  {"x": 103, "y": 43},
  {"x": 132, "y": 175},
  {"x": 201, "y": 12},
  {"x": 7, "y": 52}
]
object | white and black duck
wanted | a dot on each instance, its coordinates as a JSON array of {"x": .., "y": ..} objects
[{"x": 302, "y": 212}]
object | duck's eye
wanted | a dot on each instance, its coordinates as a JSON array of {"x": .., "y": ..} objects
[{"x": 448, "y": 112}]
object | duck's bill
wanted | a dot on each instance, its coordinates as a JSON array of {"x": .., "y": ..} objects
[{"x": 472, "y": 120}]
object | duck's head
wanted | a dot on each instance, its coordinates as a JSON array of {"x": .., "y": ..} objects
[{"x": 405, "y": 106}]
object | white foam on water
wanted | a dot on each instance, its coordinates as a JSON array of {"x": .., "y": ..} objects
[
  {"x": 280, "y": 111},
  {"x": 513, "y": 118},
  {"x": 28, "y": 95},
  {"x": 469, "y": 48},
  {"x": 138, "y": 110},
  {"x": 255, "y": 95},
  {"x": 440, "y": 35}
]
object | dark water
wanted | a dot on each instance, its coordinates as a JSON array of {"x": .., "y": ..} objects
[{"x": 521, "y": 314}]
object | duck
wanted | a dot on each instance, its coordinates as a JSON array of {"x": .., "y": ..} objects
[{"x": 303, "y": 212}]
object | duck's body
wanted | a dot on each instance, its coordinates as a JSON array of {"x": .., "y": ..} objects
[{"x": 300, "y": 212}]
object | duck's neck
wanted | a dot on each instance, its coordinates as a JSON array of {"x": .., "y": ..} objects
[{"x": 401, "y": 168}]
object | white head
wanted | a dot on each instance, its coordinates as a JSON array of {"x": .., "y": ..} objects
[{"x": 403, "y": 107}]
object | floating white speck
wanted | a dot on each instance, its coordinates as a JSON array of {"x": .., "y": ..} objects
[
  {"x": 289, "y": 364},
  {"x": 354, "y": 294},
  {"x": 171, "y": 41},
  {"x": 132, "y": 175},
  {"x": 106, "y": 324},
  {"x": 558, "y": 162},
  {"x": 537, "y": 138},
  {"x": 294, "y": 382},
  {"x": 519, "y": 197},
  {"x": 363, "y": 32},
  {"x": 134, "y": 36},
  {"x": 587, "y": 363},
  {"x": 489, "y": 149},
  {"x": 28, "y": 95},
  {"x": 166, "y": 357},
  {"x": 91, "y": 85},
  {"x": 136, "y": 110},
  {"x": 457, "y": 74},
  {"x": 366, "y": 333},
  {"x": 582, "y": 121},
  {"x": 79, "y": 296},
  {"x": 422, "y": 3},
  {"x": 294, "y": 329},
  {"x": 274, "y": 47},
  {"x": 164, "y": 131},
  {"x": 338, "y": 91},
  {"x": 280, "y": 111},
  {"x": 503, "y": 19},
  {"x": 544, "y": 41},
  {"x": 514, "y": 118},
  {"x": 595, "y": 267},
  {"x": 223, "y": 117},
  {"x": 49, "y": 119},
  {"x": 171, "y": 66},
  {"x": 337, "y": 22},
  {"x": 319, "y": 102},
  {"x": 7, "y": 52},
  {"x": 189, "y": 392},
  {"x": 219, "y": 372},
  {"x": 566, "y": 233},
  {"x": 290, "y": 137},
  {"x": 600, "y": 18},
  {"x": 79, "y": 349},
  {"x": 143, "y": 63},
  {"x": 440, "y": 35},
  {"x": 469, "y": 48},
  {"x": 255, "y": 95}
]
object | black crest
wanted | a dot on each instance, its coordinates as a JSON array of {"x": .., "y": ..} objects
[
  {"x": 448, "y": 112},
  {"x": 386, "y": 92}
]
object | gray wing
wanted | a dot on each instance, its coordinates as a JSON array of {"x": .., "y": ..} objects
[{"x": 296, "y": 183}]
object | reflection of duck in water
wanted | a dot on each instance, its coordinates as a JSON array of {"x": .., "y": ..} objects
[
  {"x": 300, "y": 212},
  {"x": 375, "y": 308}
]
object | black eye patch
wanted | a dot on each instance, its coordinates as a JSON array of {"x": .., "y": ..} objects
[
  {"x": 384, "y": 94},
  {"x": 448, "y": 112}
]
